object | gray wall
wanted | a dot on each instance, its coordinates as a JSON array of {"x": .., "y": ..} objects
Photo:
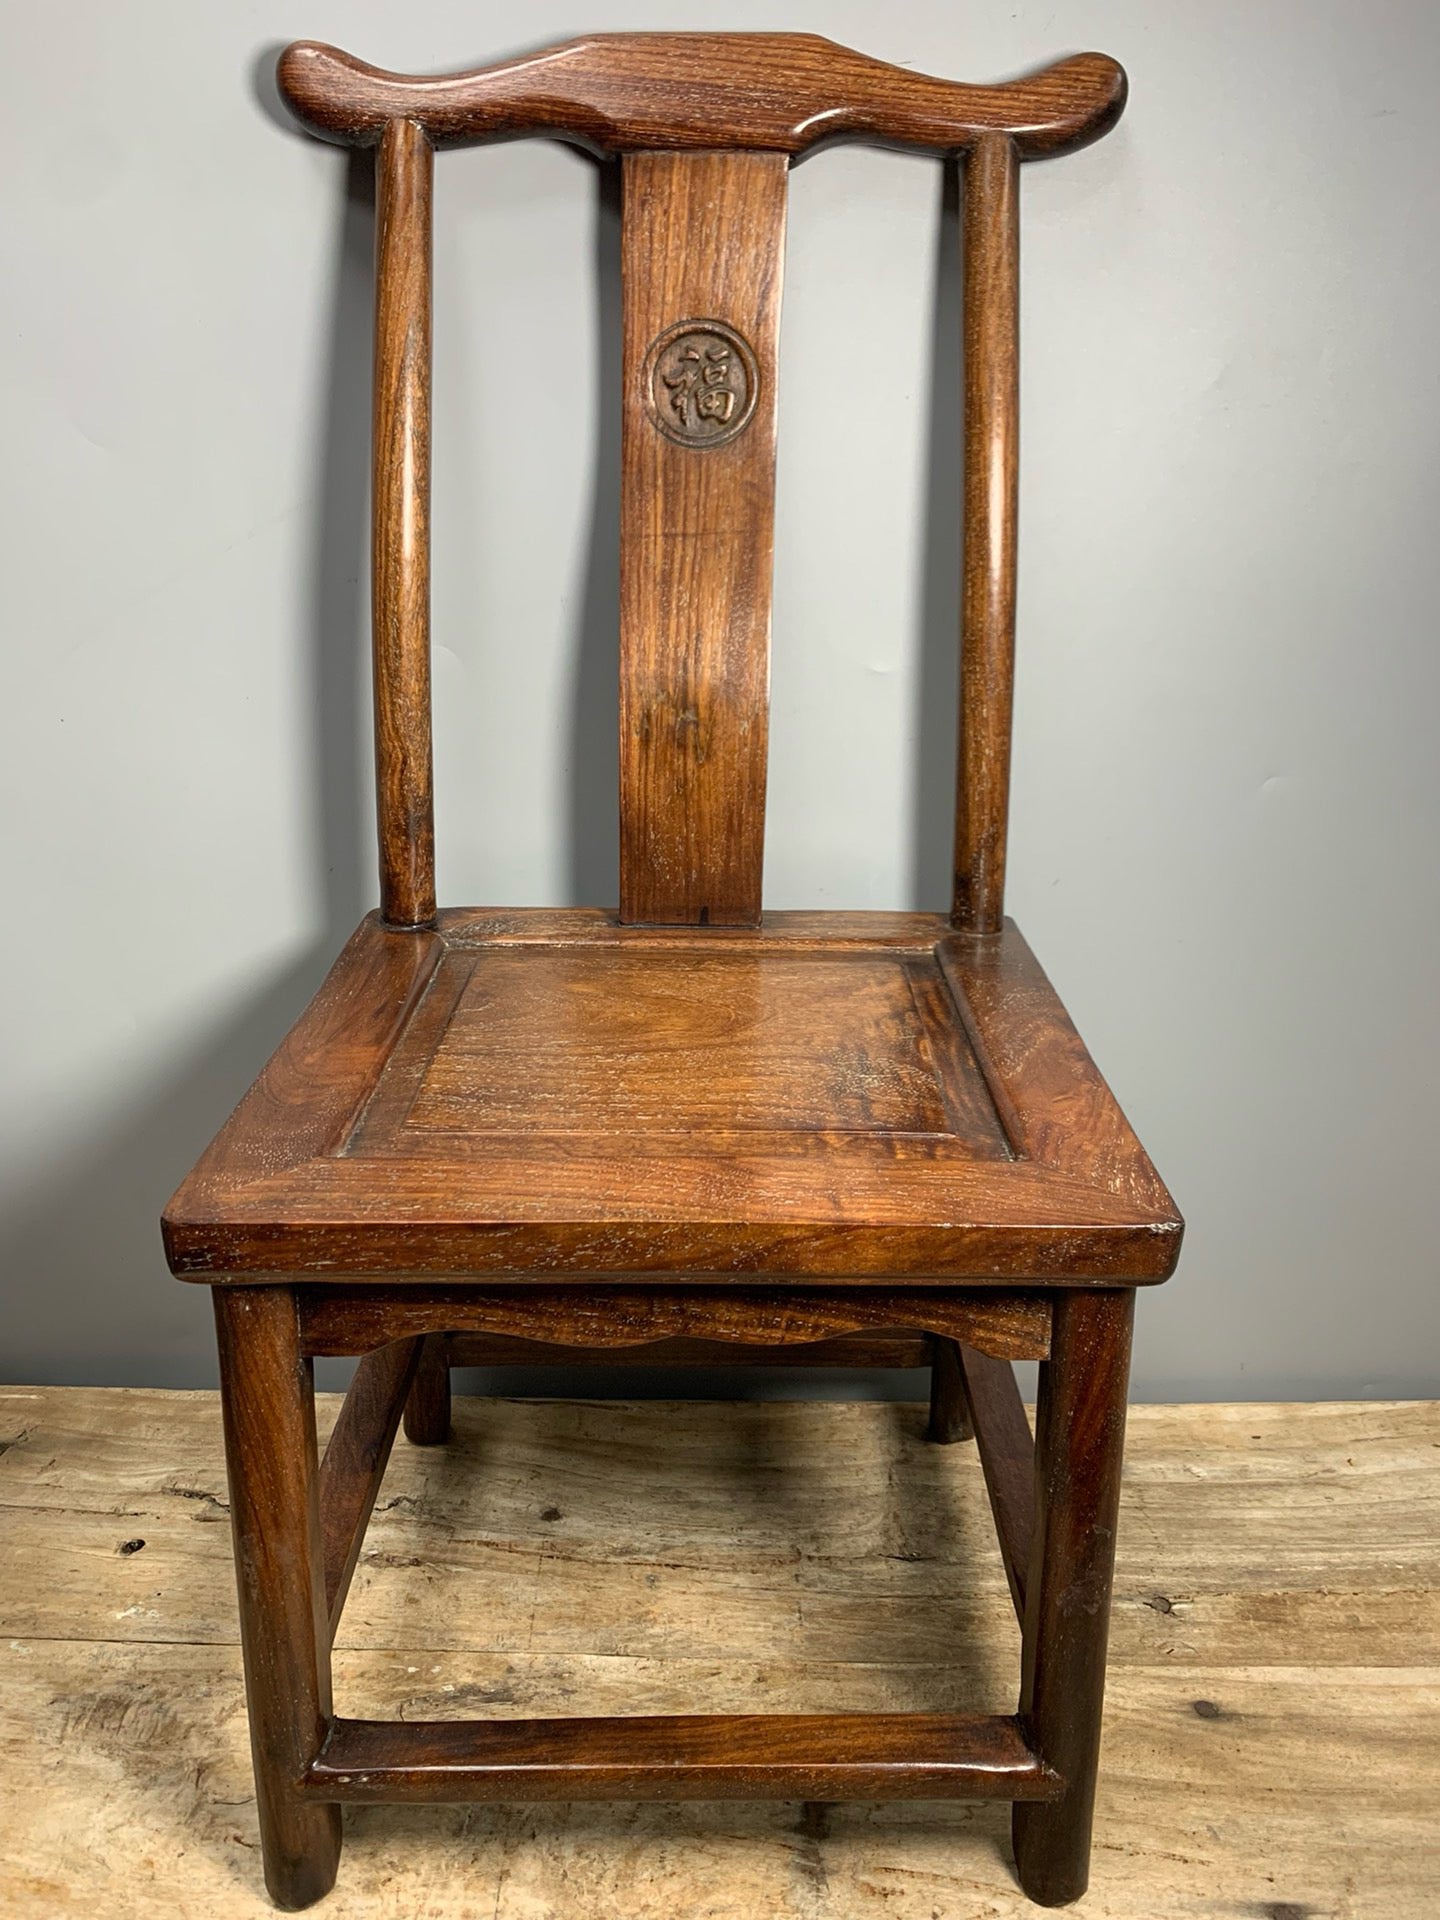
[{"x": 1225, "y": 819}]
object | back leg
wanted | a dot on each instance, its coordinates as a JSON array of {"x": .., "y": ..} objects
[
  {"x": 949, "y": 1405},
  {"x": 427, "y": 1410}
]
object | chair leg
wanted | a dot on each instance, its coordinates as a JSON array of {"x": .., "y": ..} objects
[
  {"x": 267, "y": 1397},
  {"x": 1079, "y": 1440},
  {"x": 949, "y": 1404},
  {"x": 427, "y": 1409}
]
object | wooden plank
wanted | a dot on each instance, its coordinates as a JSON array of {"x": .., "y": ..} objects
[
  {"x": 1277, "y": 1613},
  {"x": 1007, "y": 1455},
  {"x": 702, "y": 249},
  {"x": 713, "y": 1532},
  {"x": 822, "y": 1756},
  {"x": 1260, "y": 1808},
  {"x": 355, "y": 1459}
]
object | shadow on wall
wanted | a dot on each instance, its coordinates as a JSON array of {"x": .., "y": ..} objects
[{"x": 84, "y": 1243}]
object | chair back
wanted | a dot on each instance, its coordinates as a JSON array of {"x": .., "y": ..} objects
[{"x": 705, "y": 127}]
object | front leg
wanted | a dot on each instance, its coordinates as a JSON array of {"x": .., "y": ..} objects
[
  {"x": 267, "y": 1395},
  {"x": 1079, "y": 1441}
]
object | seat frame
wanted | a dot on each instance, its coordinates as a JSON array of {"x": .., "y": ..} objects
[{"x": 1038, "y": 1260}]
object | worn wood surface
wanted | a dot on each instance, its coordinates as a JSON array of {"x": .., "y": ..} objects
[
  {"x": 702, "y": 252},
  {"x": 781, "y": 92},
  {"x": 672, "y": 1757},
  {"x": 652, "y": 1104},
  {"x": 1271, "y": 1745}
]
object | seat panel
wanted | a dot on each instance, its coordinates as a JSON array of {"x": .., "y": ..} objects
[
  {"x": 674, "y": 1042},
  {"x": 556, "y": 1096}
]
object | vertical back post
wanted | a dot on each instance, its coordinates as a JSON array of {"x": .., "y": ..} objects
[
  {"x": 987, "y": 660},
  {"x": 400, "y": 525}
]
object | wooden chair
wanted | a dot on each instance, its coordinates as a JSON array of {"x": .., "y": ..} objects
[{"x": 860, "y": 1137}]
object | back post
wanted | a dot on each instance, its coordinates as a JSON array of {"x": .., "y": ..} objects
[
  {"x": 991, "y": 214},
  {"x": 400, "y": 525}
]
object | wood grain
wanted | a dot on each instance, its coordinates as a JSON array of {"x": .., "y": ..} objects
[
  {"x": 400, "y": 560},
  {"x": 781, "y": 92},
  {"x": 336, "y": 1321},
  {"x": 267, "y": 1401},
  {"x": 702, "y": 241},
  {"x": 1278, "y": 1562},
  {"x": 1007, "y": 1456},
  {"x": 652, "y": 1123},
  {"x": 848, "y": 1350},
  {"x": 355, "y": 1461},
  {"x": 799, "y": 931},
  {"x": 858, "y": 1756},
  {"x": 992, "y": 436},
  {"x": 676, "y": 1757},
  {"x": 1050, "y": 1098},
  {"x": 622, "y": 1043},
  {"x": 765, "y": 1128},
  {"x": 1079, "y": 1442}
]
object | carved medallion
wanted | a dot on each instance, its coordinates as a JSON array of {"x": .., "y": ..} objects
[{"x": 700, "y": 383}]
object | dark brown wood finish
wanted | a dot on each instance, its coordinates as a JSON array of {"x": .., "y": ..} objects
[
  {"x": 992, "y": 432},
  {"x": 352, "y": 1320},
  {"x": 400, "y": 567},
  {"x": 848, "y": 1350},
  {"x": 684, "y": 1132},
  {"x": 945, "y": 1138},
  {"x": 1007, "y": 1455},
  {"x": 703, "y": 240},
  {"x": 765, "y": 92},
  {"x": 354, "y": 1462},
  {"x": 776, "y": 1756},
  {"x": 949, "y": 1405},
  {"x": 1079, "y": 1443},
  {"x": 267, "y": 1401},
  {"x": 427, "y": 1410}
]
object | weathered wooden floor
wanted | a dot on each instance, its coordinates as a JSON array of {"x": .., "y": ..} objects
[{"x": 1272, "y": 1736}]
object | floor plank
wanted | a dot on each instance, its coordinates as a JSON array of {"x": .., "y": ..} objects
[{"x": 1271, "y": 1736}]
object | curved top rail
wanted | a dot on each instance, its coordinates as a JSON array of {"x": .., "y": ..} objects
[{"x": 781, "y": 92}]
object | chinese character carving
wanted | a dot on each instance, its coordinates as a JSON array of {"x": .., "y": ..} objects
[{"x": 700, "y": 383}]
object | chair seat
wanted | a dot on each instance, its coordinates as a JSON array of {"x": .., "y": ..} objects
[{"x": 551, "y": 1094}]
